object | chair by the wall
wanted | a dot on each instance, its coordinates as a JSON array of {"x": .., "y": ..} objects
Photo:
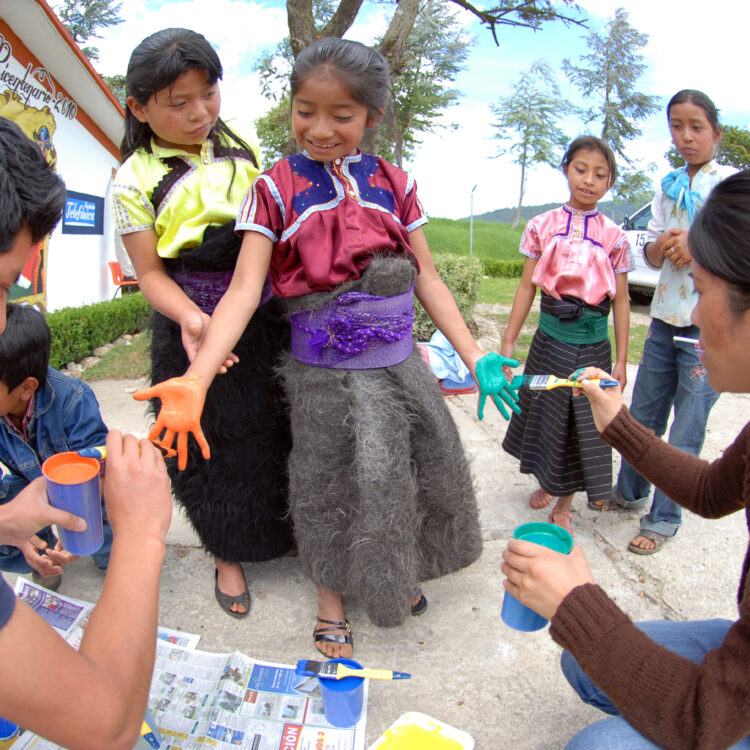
[{"x": 118, "y": 278}]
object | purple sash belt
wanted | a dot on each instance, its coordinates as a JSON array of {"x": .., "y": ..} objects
[
  {"x": 355, "y": 331},
  {"x": 206, "y": 288}
]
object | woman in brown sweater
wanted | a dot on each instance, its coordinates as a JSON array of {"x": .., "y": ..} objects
[{"x": 668, "y": 684}]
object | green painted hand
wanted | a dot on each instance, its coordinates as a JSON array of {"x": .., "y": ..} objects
[{"x": 492, "y": 382}]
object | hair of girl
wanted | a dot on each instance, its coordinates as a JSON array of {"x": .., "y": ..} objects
[
  {"x": 719, "y": 237},
  {"x": 155, "y": 64},
  {"x": 700, "y": 100},
  {"x": 361, "y": 69},
  {"x": 592, "y": 143}
]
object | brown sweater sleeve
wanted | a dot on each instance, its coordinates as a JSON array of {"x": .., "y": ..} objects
[
  {"x": 669, "y": 699},
  {"x": 710, "y": 490}
]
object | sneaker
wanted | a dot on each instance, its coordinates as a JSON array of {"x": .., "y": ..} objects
[{"x": 52, "y": 583}]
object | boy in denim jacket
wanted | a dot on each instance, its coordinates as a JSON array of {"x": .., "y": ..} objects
[{"x": 42, "y": 412}]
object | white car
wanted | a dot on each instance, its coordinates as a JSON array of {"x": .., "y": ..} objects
[{"x": 641, "y": 282}]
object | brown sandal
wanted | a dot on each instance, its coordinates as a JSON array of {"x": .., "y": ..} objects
[{"x": 326, "y": 635}]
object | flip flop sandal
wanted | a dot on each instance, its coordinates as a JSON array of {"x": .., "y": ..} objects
[
  {"x": 658, "y": 539},
  {"x": 226, "y": 601},
  {"x": 326, "y": 635},
  {"x": 421, "y": 605},
  {"x": 610, "y": 504},
  {"x": 566, "y": 515}
]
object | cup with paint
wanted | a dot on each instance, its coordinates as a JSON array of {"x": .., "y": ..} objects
[
  {"x": 8, "y": 730},
  {"x": 73, "y": 485},
  {"x": 343, "y": 699},
  {"x": 515, "y": 614}
]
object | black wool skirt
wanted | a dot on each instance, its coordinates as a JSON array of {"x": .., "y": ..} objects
[
  {"x": 236, "y": 501},
  {"x": 554, "y": 437}
]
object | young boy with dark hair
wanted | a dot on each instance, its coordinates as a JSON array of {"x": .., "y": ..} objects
[{"x": 42, "y": 412}]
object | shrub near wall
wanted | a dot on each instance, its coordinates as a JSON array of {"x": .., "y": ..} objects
[
  {"x": 462, "y": 274},
  {"x": 77, "y": 331}
]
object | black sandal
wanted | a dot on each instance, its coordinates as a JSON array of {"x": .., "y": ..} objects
[
  {"x": 325, "y": 635},
  {"x": 421, "y": 605},
  {"x": 226, "y": 601}
]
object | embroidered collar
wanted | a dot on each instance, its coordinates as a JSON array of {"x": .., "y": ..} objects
[{"x": 580, "y": 212}]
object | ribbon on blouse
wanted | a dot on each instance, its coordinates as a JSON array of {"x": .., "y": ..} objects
[{"x": 676, "y": 185}]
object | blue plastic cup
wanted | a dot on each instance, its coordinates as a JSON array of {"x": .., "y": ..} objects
[
  {"x": 73, "y": 485},
  {"x": 515, "y": 614},
  {"x": 8, "y": 730},
  {"x": 343, "y": 699}
]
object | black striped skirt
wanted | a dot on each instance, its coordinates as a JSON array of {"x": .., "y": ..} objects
[{"x": 554, "y": 437}]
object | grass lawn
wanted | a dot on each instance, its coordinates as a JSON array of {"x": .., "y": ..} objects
[
  {"x": 123, "y": 362},
  {"x": 491, "y": 239}
]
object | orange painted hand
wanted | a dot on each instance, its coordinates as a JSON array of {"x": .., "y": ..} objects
[{"x": 181, "y": 406}]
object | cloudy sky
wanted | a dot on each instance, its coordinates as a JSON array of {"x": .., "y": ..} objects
[{"x": 689, "y": 47}]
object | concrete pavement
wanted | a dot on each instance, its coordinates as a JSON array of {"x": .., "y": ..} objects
[{"x": 469, "y": 670}]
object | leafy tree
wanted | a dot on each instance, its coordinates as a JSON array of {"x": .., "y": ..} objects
[
  {"x": 435, "y": 51},
  {"x": 634, "y": 186},
  {"x": 419, "y": 98},
  {"x": 436, "y": 48},
  {"x": 607, "y": 78},
  {"x": 528, "y": 118},
  {"x": 274, "y": 131},
  {"x": 83, "y": 18},
  {"x": 734, "y": 149},
  {"x": 116, "y": 85}
]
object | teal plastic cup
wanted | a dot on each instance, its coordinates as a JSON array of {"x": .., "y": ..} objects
[
  {"x": 516, "y": 615},
  {"x": 343, "y": 699}
]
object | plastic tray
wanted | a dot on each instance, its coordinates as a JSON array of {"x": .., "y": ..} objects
[{"x": 417, "y": 731}]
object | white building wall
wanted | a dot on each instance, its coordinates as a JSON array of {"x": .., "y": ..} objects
[{"x": 77, "y": 271}]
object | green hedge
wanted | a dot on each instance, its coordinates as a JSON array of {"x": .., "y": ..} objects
[
  {"x": 77, "y": 331},
  {"x": 507, "y": 269},
  {"x": 462, "y": 274}
]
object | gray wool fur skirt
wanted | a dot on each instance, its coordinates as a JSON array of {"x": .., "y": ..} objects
[{"x": 380, "y": 491}]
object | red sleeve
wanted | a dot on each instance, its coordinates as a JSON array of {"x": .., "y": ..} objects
[{"x": 263, "y": 209}]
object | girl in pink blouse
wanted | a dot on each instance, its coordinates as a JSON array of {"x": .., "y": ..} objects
[{"x": 579, "y": 259}]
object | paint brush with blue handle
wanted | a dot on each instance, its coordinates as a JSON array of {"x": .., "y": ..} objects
[
  {"x": 333, "y": 671},
  {"x": 99, "y": 452},
  {"x": 548, "y": 382}
]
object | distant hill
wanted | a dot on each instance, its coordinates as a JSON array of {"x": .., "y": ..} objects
[{"x": 616, "y": 211}]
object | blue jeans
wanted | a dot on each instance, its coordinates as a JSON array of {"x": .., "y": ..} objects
[
  {"x": 670, "y": 374},
  {"x": 691, "y": 640}
]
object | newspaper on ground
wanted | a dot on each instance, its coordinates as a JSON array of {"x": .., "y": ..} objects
[{"x": 209, "y": 700}]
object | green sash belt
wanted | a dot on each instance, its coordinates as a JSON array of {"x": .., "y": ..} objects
[{"x": 590, "y": 328}]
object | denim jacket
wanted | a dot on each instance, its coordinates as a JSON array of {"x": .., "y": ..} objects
[{"x": 66, "y": 418}]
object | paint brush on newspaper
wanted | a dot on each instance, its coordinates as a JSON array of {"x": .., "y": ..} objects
[
  {"x": 100, "y": 452},
  {"x": 334, "y": 671},
  {"x": 548, "y": 382}
]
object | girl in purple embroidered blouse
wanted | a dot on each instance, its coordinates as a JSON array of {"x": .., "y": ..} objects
[
  {"x": 579, "y": 259},
  {"x": 320, "y": 219}
]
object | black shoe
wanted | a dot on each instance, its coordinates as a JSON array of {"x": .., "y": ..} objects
[{"x": 49, "y": 582}]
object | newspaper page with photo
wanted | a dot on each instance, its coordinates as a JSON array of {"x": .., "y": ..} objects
[
  {"x": 208, "y": 700},
  {"x": 201, "y": 700}
]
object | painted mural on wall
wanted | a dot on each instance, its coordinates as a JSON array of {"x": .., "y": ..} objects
[{"x": 29, "y": 97}]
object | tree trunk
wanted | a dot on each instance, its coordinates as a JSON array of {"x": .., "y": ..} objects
[
  {"x": 517, "y": 217},
  {"x": 301, "y": 23},
  {"x": 343, "y": 18},
  {"x": 393, "y": 44}
]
